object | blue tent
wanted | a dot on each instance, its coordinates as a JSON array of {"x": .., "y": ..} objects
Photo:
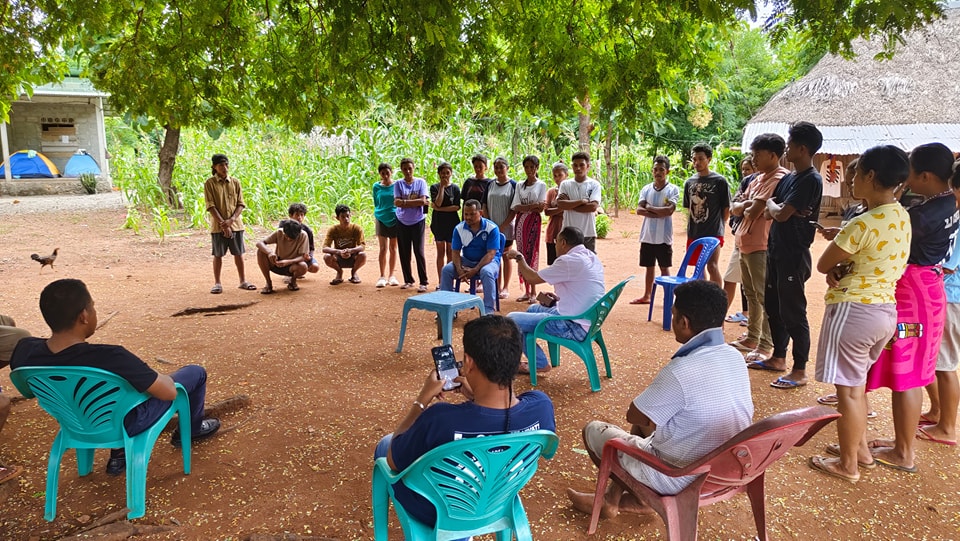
[
  {"x": 81, "y": 163},
  {"x": 30, "y": 164}
]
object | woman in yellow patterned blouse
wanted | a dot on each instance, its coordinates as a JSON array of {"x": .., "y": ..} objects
[{"x": 862, "y": 265}]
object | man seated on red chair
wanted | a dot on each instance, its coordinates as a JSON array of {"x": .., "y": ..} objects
[
  {"x": 698, "y": 401},
  {"x": 68, "y": 309},
  {"x": 491, "y": 356}
]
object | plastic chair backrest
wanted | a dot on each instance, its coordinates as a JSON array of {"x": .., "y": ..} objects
[
  {"x": 89, "y": 403},
  {"x": 601, "y": 309},
  {"x": 473, "y": 482},
  {"x": 747, "y": 455},
  {"x": 707, "y": 246}
]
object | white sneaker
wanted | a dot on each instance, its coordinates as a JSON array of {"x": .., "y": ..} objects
[
  {"x": 393, "y": 281},
  {"x": 382, "y": 282}
]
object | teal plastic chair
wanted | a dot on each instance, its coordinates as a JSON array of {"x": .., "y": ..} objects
[
  {"x": 90, "y": 405},
  {"x": 707, "y": 246},
  {"x": 596, "y": 314},
  {"x": 474, "y": 484}
]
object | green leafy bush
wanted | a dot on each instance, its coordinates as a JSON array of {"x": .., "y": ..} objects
[
  {"x": 603, "y": 225},
  {"x": 89, "y": 182}
]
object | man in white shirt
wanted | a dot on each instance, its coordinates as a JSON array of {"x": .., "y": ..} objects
[
  {"x": 658, "y": 201},
  {"x": 579, "y": 198},
  {"x": 681, "y": 416},
  {"x": 577, "y": 278}
]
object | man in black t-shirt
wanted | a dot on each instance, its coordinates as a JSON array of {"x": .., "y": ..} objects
[
  {"x": 706, "y": 195},
  {"x": 794, "y": 205},
  {"x": 68, "y": 309}
]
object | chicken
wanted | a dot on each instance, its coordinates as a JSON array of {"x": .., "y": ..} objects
[{"x": 45, "y": 260}]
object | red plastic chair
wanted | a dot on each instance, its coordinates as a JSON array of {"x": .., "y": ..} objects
[{"x": 736, "y": 466}]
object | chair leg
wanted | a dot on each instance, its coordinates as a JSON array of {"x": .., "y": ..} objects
[
  {"x": 53, "y": 477},
  {"x": 84, "y": 461},
  {"x": 667, "y": 307},
  {"x": 137, "y": 457},
  {"x": 682, "y": 513},
  {"x": 590, "y": 361},
  {"x": 603, "y": 349},
  {"x": 603, "y": 477},
  {"x": 532, "y": 358},
  {"x": 755, "y": 492},
  {"x": 554, "y": 351},
  {"x": 446, "y": 316},
  {"x": 381, "y": 506},
  {"x": 403, "y": 328},
  {"x": 653, "y": 296}
]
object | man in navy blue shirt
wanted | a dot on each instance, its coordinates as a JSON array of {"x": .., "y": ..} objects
[
  {"x": 491, "y": 357},
  {"x": 476, "y": 251}
]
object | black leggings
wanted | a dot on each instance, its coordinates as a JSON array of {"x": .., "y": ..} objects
[
  {"x": 412, "y": 236},
  {"x": 785, "y": 302}
]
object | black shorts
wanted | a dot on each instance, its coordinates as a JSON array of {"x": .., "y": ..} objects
[
  {"x": 346, "y": 263},
  {"x": 387, "y": 231},
  {"x": 222, "y": 244},
  {"x": 656, "y": 254},
  {"x": 282, "y": 271}
]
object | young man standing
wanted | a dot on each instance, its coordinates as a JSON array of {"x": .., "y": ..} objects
[
  {"x": 707, "y": 197},
  {"x": 795, "y": 202},
  {"x": 658, "y": 202},
  {"x": 224, "y": 201},
  {"x": 579, "y": 198},
  {"x": 343, "y": 248}
]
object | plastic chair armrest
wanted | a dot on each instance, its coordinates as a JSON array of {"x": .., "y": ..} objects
[{"x": 618, "y": 445}]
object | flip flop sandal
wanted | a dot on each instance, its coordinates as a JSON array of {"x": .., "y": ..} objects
[
  {"x": 834, "y": 449},
  {"x": 756, "y": 357},
  {"x": 9, "y": 472},
  {"x": 336, "y": 281},
  {"x": 742, "y": 346},
  {"x": 762, "y": 365},
  {"x": 267, "y": 291},
  {"x": 923, "y": 435},
  {"x": 828, "y": 400},
  {"x": 818, "y": 463},
  {"x": 293, "y": 287},
  {"x": 783, "y": 383},
  {"x": 248, "y": 286},
  {"x": 925, "y": 421},
  {"x": 887, "y": 464},
  {"x": 217, "y": 289},
  {"x": 735, "y": 318},
  {"x": 640, "y": 300},
  {"x": 354, "y": 280}
]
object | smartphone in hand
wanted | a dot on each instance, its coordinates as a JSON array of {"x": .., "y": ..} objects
[
  {"x": 447, "y": 368},
  {"x": 817, "y": 224},
  {"x": 546, "y": 299}
]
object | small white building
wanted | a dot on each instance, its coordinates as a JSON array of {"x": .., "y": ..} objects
[{"x": 58, "y": 120}]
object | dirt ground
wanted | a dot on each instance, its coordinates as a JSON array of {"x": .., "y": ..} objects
[{"x": 324, "y": 382}]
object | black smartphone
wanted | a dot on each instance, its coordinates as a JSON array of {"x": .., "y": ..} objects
[
  {"x": 817, "y": 224},
  {"x": 447, "y": 368}
]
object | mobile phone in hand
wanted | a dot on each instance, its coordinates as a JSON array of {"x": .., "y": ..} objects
[
  {"x": 817, "y": 224},
  {"x": 546, "y": 299},
  {"x": 447, "y": 369}
]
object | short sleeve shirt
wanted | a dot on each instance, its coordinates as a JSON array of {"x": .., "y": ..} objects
[
  {"x": 288, "y": 248},
  {"x": 475, "y": 188},
  {"x": 934, "y": 225},
  {"x": 34, "y": 352},
  {"x": 499, "y": 204},
  {"x": 658, "y": 230},
  {"x": 706, "y": 197},
  {"x": 752, "y": 235},
  {"x": 225, "y": 195},
  {"x": 590, "y": 190},
  {"x": 879, "y": 241},
  {"x": 951, "y": 281},
  {"x": 474, "y": 246},
  {"x": 577, "y": 278},
  {"x": 802, "y": 190},
  {"x": 402, "y": 190},
  {"x": 383, "y": 209},
  {"x": 451, "y": 195},
  {"x": 528, "y": 195},
  {"x": 343, "y": 237}
]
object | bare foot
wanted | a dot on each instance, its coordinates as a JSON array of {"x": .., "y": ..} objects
[
  {"x": 797, "y": 376},
  {"x": 777, "y": 363},
  {"x": 887, "y": 456},
  {"x": 583, "y": 502},
  {"x": 630, "y": 504},
  {"x": 880, "y": 444}
]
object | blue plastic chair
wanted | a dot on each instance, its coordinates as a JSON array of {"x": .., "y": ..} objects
[
  {"x": 474, "y": 483},
  {"x": 90, "y": 405},
  {"x": 475, "y": 279},
  {"x": 668, "y": 283},
  {"x": 596, "y": 314}
]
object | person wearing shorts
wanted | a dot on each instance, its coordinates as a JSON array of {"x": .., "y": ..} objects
[
  {"x": 657, "y": 203},
  {"x": 343, "y": 248},
  {"x": 224, "y": 199},
  {"x": 706, "y": 196},
  {"x": 387, "y": 228},
  {"x": 861, "y": 313},
  {"x": 290, "y": 258}
]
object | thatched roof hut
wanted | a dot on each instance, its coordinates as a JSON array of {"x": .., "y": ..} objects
[{"x": 910, "y": 99}]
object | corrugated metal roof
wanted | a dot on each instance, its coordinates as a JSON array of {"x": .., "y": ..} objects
[
  {"x": 71, "y": 86},
  {"x": 855, "y": 139}
]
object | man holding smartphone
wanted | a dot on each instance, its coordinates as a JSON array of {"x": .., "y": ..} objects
[
  {"x": 577, "y": 278},
  {"x": 491, "y": 347}
]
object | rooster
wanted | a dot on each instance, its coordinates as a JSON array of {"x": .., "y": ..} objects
[{"x": 45, "y": 260}]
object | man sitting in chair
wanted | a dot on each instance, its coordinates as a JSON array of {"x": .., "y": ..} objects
[
  {"x": 683, "y": 414},
  {"x": 491, "y": 355},
  {"x": 68, "y": 309},
  {"x": 577, "y": 278},
  {"x": 476, "y": 252}
]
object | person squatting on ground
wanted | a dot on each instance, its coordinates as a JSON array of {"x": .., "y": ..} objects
[
  {"x": 491, "y": 355},
  {"x": 657, "y": 203},
  {"x": 410, "y": 198},
  {"x": 707, "y": 196},
  {"x": 224, "y": 199},
  {"x": 476, "y": 253},
  {"x": 387, "y": 228},
  {"x": 861, "y": 314},
  {"x": 681, "y": 416},
  {"x": 343, "y": 247},
  {"x": 910, "y": 361},
  {"x": 69, "y": 311},
  {"x": 298, "y": 212},
  {"x": 289, "y": 258},
  {"x": 529, "y": 201},
  {"x": 795, "y": 202},
  {"x": 577, "y": 279}
]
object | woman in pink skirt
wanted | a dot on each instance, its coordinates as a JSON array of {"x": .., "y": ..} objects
[{"x": 529, "y": 200}]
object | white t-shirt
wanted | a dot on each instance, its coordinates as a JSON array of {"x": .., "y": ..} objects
[
  {"x": 658, "y": 230},
  {"x": 694, "y": 414},
  {"x": 527, "y": 195},
  {"x": 577, "y": 278},
  {"x": 590, "y": 190}
]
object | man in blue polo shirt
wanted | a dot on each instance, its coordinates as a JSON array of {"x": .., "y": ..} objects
[{"x": 476, "y": 251}]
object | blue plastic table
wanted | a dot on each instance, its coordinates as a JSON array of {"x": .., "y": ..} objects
[{"x": 446, "y": 304}]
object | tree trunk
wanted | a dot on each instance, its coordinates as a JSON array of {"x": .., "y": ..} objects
[
  {"x": 608, "y": 173},
  {"x": 583, "y": 128},
  {"x": 168, "y": 158}
]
